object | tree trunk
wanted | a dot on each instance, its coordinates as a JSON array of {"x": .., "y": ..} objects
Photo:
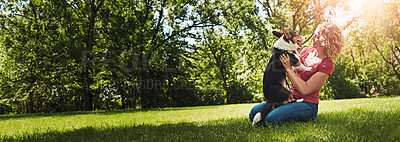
[
  {"x": 144, "y": 95},
  {"x": 31, "y": 103},
  {"x": 88, "y": 97},
  {"x": 123, "y": 101},
  {"x": 89, "y": 41},
  {"x": 32, "y": 74}
]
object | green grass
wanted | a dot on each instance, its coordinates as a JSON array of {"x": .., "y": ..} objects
[{"x": 375, "y": 119}]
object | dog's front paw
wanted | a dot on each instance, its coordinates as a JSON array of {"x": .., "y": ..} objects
[
  {"x": 304, "y": 68},
  {"x": 257, "y": 118},
  {"x": 307, "y": 68}
]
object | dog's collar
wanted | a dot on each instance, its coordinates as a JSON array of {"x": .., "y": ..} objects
[{"x": 278, "y": 50}]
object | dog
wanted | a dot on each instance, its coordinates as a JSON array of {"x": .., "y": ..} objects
[{"x": 274, "y": 80}]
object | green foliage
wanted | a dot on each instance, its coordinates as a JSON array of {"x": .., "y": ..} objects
[
  {"x": 240, "y": 93},
  {"x": 369, "y": 61},
  {"x": 38, "y": 69},
  {"x": 339, "y": 85},
  {"x": 67, "y": 55}
]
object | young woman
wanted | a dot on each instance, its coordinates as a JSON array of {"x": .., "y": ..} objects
[{"x": 327, "y": 43}]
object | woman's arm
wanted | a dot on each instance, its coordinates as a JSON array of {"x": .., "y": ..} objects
[{"x": 305, "y": 88}]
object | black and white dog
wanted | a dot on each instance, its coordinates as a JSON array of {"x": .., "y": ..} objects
[{"x": 274, "y": 81}]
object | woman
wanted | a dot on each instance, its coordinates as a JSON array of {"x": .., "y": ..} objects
[{"x": 326, "y": 46}]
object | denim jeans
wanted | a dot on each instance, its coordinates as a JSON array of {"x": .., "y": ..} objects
[{"x": 299, "y": 111}]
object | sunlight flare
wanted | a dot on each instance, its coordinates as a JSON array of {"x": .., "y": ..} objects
[{"x": 355, "y": 8}]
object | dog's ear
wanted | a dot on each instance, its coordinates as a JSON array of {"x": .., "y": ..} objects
[
  {"x": 287, "y": 34},
  {"x": 277, "y": 34}
]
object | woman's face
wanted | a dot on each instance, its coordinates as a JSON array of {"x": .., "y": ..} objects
[{"x": 315, "y": 41}]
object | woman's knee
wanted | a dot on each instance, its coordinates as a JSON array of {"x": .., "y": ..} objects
[
  {"x": 291, "y": 112},
  {"x": 257, "y": 108},
  {"x": 271, "y": 120}
]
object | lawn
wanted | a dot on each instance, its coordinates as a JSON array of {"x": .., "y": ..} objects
[{"x": 376, "y": 119}]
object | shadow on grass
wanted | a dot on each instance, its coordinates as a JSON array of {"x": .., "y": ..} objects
[
  {"x": 218, "y": 130},
  {"x": 355, "y": 125},
  {"x": 102, "y": 112},
  {"x": 351, "y": 125}
]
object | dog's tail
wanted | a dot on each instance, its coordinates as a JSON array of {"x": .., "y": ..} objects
[{"x": 263, "y": 113}]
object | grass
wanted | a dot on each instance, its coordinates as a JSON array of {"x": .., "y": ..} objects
[{"x": 376, "y": 119}]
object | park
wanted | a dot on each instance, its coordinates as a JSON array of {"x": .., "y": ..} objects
[{"x": 188, "y": 70}]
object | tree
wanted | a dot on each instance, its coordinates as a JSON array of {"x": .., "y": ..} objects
[
  {"x": 37, "y": 70},
  {"x": 377, "y": 36},
  {"x": 369, "y": 57}
]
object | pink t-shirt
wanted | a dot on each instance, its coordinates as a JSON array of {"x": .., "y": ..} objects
[{"x": 325, "y": 65}]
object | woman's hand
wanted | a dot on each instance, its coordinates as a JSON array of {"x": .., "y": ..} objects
[
  {"x": 304, "y": 88},
  {"x": 285, "y": 61}
]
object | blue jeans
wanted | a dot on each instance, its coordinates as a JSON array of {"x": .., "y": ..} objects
[{"x": 299, "y": 111}]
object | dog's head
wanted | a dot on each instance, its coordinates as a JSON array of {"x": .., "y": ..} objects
[{"x": 291, "y": 37}]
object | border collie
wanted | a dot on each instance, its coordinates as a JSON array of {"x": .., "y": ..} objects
[{"x": 274, "y": 81}]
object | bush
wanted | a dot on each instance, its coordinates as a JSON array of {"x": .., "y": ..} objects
[
  {"x": 340, "y": 86},
  {"x": 239, "y": 93}
]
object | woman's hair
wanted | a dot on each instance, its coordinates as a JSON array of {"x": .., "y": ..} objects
[{"x": 331, "y": 37}]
